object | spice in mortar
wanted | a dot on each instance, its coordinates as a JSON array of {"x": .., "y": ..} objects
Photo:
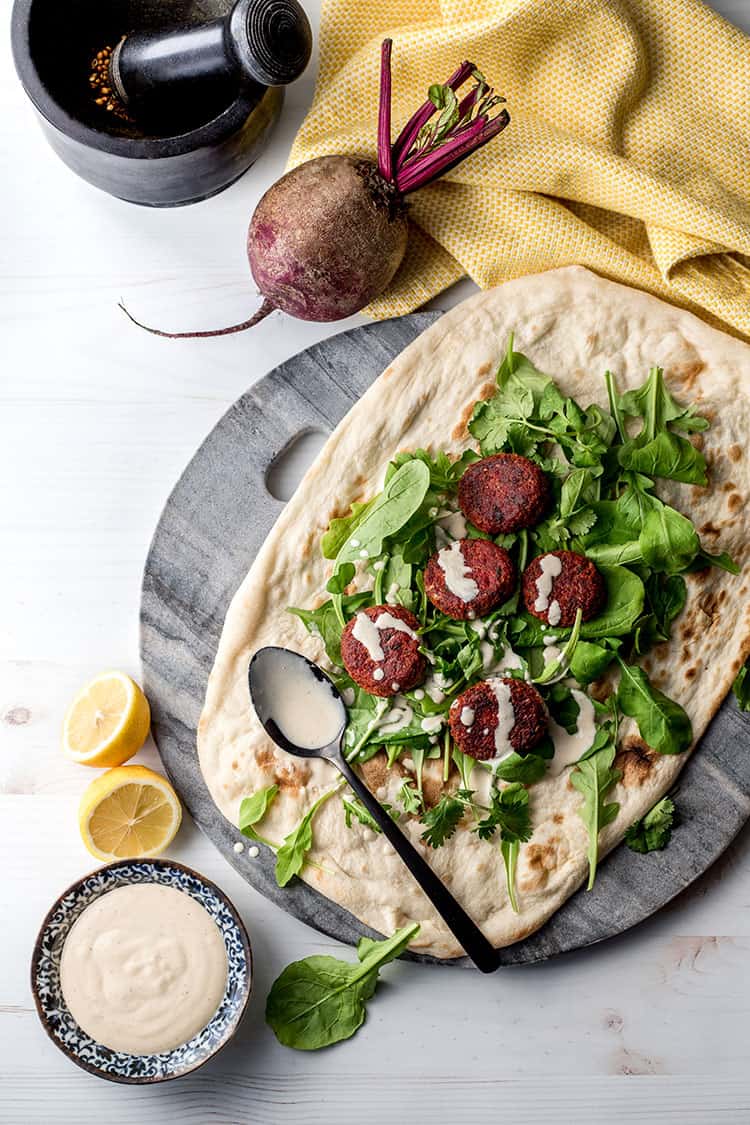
[{"x": 99, "y": 82}]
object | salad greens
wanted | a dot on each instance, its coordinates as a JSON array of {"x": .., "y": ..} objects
[
  {"x": 322, "y": 1000},
  {"x": 603, "y": 466},
  {"x": 653, "y": 831}
]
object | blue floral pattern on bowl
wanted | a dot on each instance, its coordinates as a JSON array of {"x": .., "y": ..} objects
[{"x": 59, "y": 1024}]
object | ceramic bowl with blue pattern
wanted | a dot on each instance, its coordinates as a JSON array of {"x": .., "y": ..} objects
[{"x": 116, "y": 1066}]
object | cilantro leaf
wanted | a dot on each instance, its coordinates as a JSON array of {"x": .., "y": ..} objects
[
  {"x": 653, "y": 831},
  {"x": 509, "y": 812},
  {"x": 442, "y": 820}
]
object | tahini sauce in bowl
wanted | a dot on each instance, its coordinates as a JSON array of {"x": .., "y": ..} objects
[{"x": 143, "y": 969}]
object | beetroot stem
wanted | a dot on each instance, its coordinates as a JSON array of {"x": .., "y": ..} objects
[
  {"x": 385, "y": 156},
  {"x": 262, "y": 312},
  {"x": 423, "y": 170},
  {"x": 410, "y": 131}
]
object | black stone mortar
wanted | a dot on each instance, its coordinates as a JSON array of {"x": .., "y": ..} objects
[{"x": 158, "y": 165}]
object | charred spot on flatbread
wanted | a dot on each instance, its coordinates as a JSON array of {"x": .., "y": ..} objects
[
  {"x": 290, "y": 776},
  {"x": 461, "y": 429},
  {"x": 375, "y": 772},
  {"x": 636, "y": 760},
  {"x": 541, "y": 861}
]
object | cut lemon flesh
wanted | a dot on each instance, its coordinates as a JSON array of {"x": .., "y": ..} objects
[
  {"x": 128, "y": 812},
  {"x": 107, "y": 722}
]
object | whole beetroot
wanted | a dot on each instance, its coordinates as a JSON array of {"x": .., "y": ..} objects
[{"x": 328, "y": 237}]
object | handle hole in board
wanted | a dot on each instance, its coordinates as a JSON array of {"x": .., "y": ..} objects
[{"x": 290, "y": 465}]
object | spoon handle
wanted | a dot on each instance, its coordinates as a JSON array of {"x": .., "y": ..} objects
[{"x": 481, "y": 952}]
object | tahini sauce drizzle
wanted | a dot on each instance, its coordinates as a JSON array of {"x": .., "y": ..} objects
[
  {"x": 569, "y": 747},
  {"x": 506, "y": 719},
  {"x": 143, "y": 969},
  {"x": 367, "y": 632},
  {"x": 551, "y": 567},
  {"x": 453, "y": 565}
]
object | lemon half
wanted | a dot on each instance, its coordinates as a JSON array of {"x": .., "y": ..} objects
[
  {"x": 129, "y": 812},
  {"x": 107, "y": 722}
]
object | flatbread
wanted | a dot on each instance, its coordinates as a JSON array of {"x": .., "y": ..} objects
[{"x": 573, "y": 325}]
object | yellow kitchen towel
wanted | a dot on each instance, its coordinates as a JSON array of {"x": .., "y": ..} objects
[{"x": 628, "y": 148}]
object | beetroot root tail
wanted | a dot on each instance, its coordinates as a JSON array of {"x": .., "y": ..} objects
[{"x": 256, "y": 318}]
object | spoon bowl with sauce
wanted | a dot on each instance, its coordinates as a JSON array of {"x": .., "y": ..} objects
[{"x": 302, "y": 711}]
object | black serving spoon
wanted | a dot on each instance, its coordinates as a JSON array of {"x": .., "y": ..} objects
[{"x": 268, "y": 671}]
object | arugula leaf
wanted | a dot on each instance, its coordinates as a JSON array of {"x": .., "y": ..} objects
[
  {"x": 444, "y": 473},
  {"x": 668, "y": 540},
  {"x": 723, "y": 561},
  {"x": 663, "y": 724},
  {"x": 336, "y": 585},
  {"x": 653, "y": 831},
  {"x": 442, "y": 820},
  {"x": 389, "y": 512},
  {"x": 563, "y": 708},
  {"x": 653, "y": 402},
  {"x": 321, "y": 1000},
  {"x": 325, "y": 622},
  {"x": 741, "y": 687},
  {"x": 355, "y": 810},
  {"x": 410, "y": 798},
  {"x": 291, "y": 856},
  {"x": 252, "y": 811},
  {"x": 593, "y": 777},
  {"x": 667, "y": 455},
  {"x": 509, "y": 812}
]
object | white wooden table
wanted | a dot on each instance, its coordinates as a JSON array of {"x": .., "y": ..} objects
[{"x": 96, "y": 422}]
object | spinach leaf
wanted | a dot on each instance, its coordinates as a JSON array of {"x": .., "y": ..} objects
[
  {"x": 663, "y": 724},
  {"x": 252, "y": 811},
  {"x": 741, "y": 687},
  {"x": 321, "y": 1000},
  {"x": 590, "y": 661},
  {"x": 653, "y": 831},
  {"x": 526, "y": 768},
  {"x": 623, "y": 607},
  {"x": 668, "y": 540},
  {"x": 563, "y": 708},
  {"x": 340, "y": 529},
  {"x": 593, "y": 777},
  {"x": 666, "y": 455},
  {"x": 291, "y": 856},
  {"x": 389, "y": 512},
  {"x": 665, "y": 598}
]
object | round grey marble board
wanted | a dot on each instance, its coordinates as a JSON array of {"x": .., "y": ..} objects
[{"x": 211, "y": 529}]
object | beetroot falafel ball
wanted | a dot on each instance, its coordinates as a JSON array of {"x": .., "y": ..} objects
[
  {"x": 484, "y": 565},
  {"x": 474, "y": 716},
  {"x": 380, "y": 650},
  {"x": 503, "y": 493},
  {"x": 554, "y": 590}
]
